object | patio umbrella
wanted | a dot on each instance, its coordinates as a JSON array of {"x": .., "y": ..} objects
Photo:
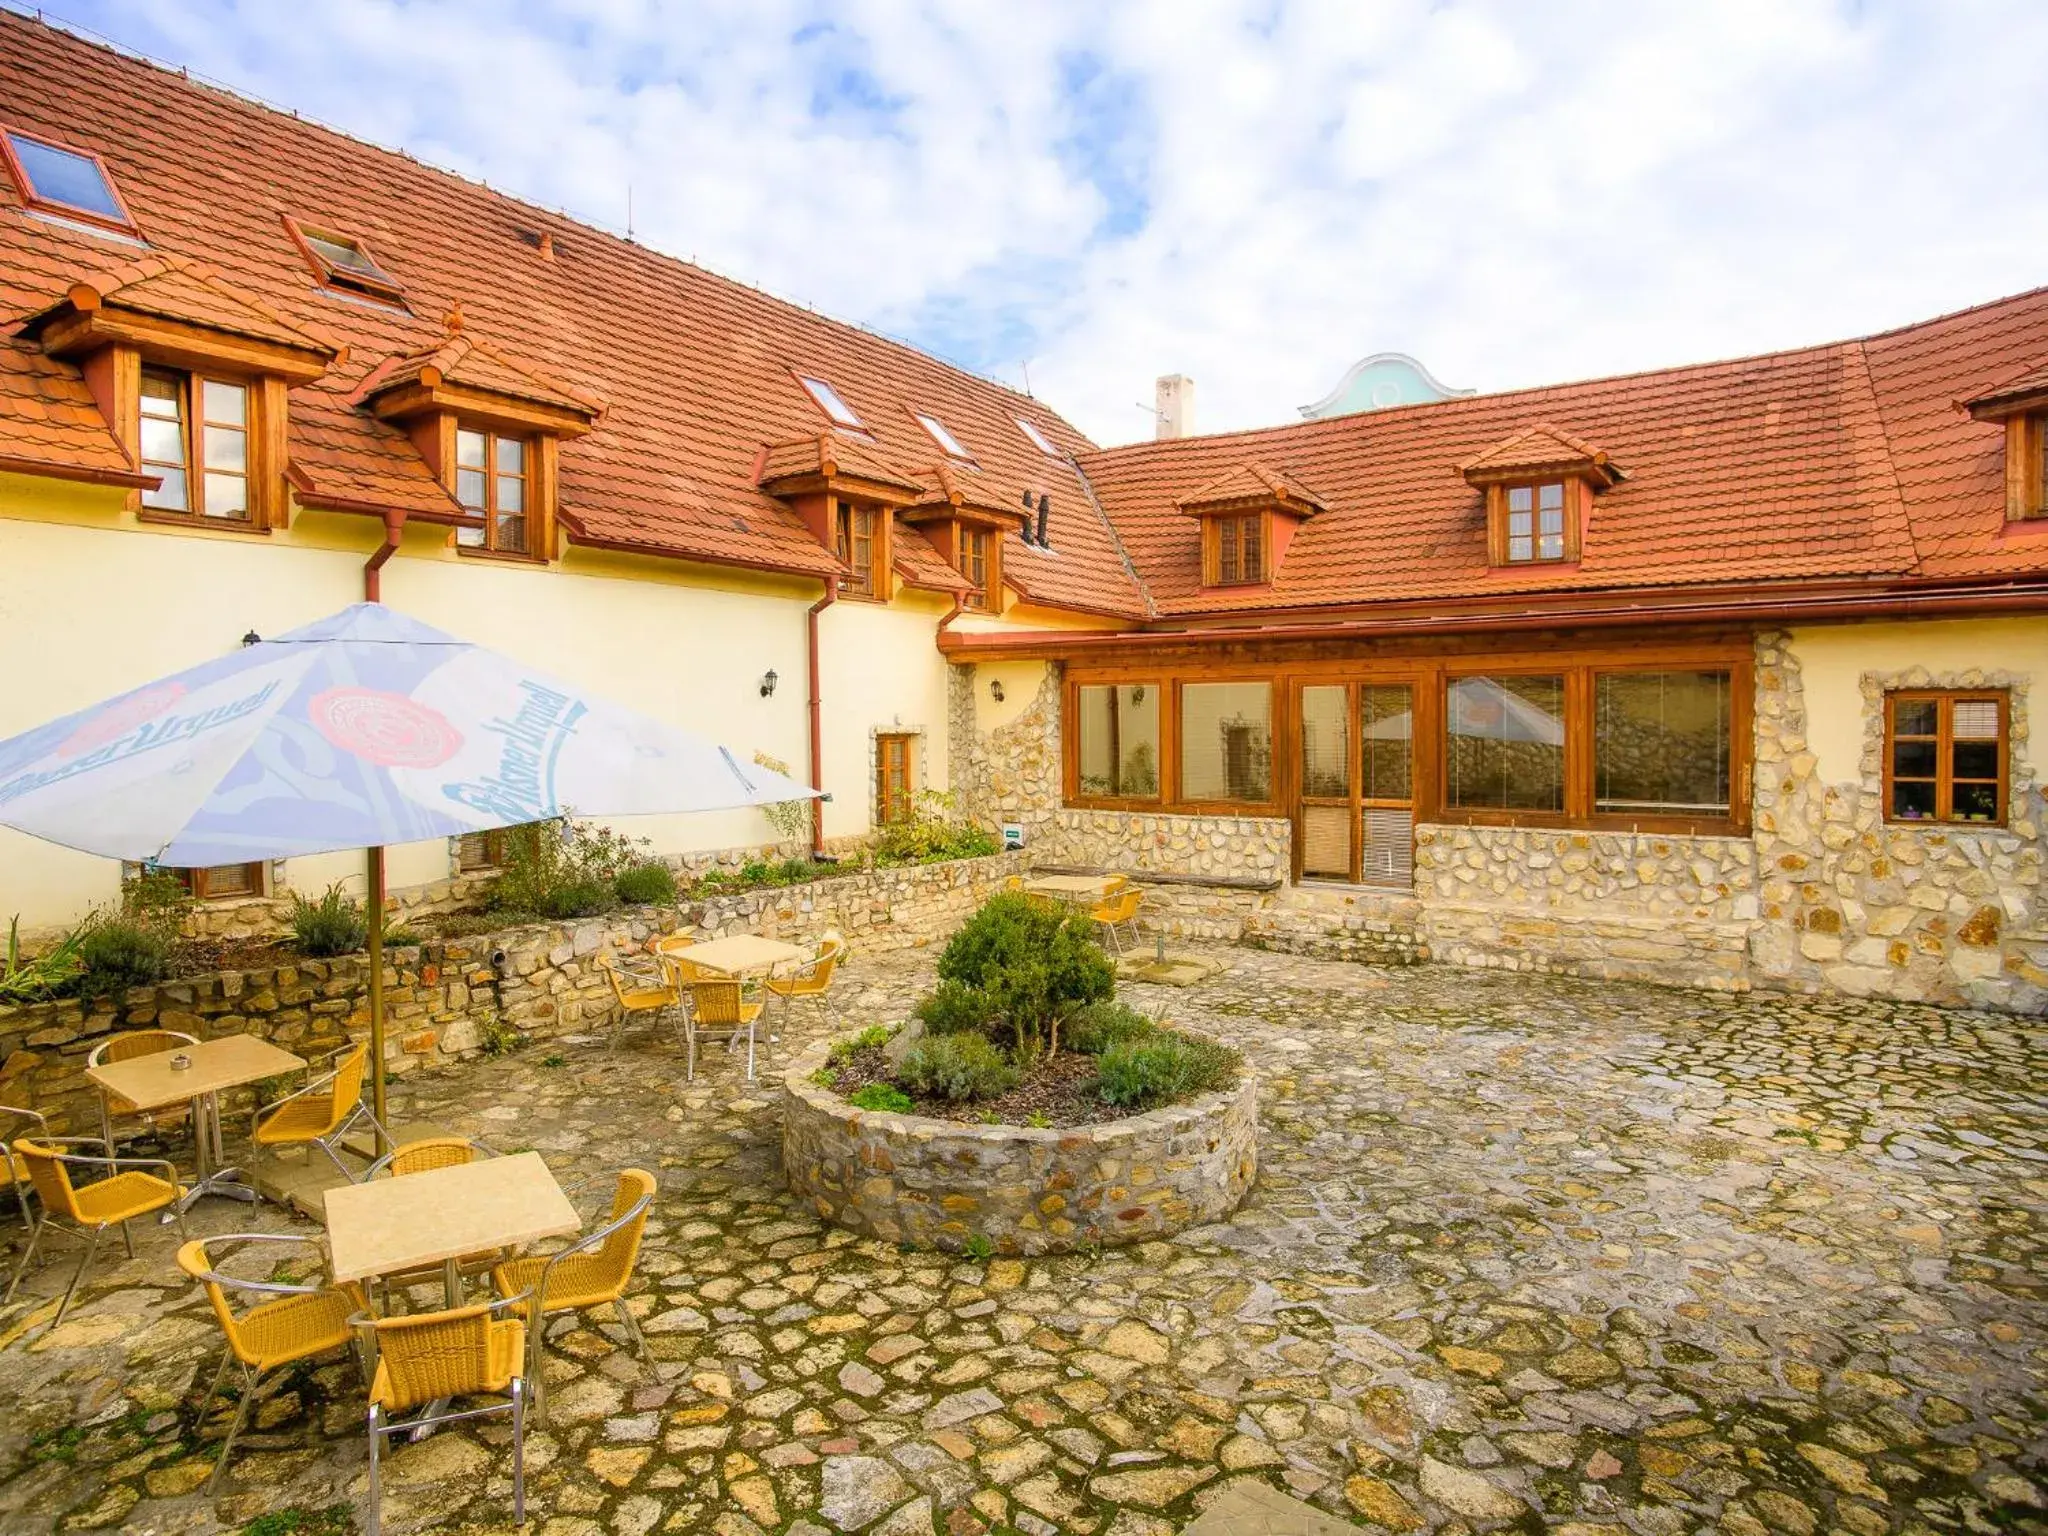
[{"x": 362, "y": 730}]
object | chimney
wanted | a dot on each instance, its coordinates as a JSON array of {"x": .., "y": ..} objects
[
  {"x": 1175, "y": 406},
  {"x": 1044, "y": 517}
]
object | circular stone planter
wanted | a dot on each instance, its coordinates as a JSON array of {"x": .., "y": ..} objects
[{"x": 941, "y": 1184}]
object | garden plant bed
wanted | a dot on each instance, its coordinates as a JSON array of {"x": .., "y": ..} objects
[{"x": 1057, "y": 1091}]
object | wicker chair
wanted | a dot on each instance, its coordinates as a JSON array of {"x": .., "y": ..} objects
[
  {"x": 127, "y": 1192},
  {"x": 718, "y": 1007},
  {"x": 594, "y": 1271},
  {"x": 431, "y": 1356},
  {"x": 11, "y": 1118},
  {"x": 424, "y": 1156},
  {"x": 126, "y": 1047},
  {"x": 301, "y": 1322},
  {"x": 813, "y": 979},
  {"x": 1118, "y": 911},
  {"x": 638, "y": 991},
  {"x": 322, "y": 1112}
]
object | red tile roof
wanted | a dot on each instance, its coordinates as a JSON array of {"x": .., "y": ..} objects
[
  {"x": 49, "y": 423},
  {"x": 1252, "y": 481},
  {"x": 460, "y": 358},
  {"x": 1533, "y": 451}
]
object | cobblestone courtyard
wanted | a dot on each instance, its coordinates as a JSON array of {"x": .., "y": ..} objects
[{"x": 1521, "y": 1251}]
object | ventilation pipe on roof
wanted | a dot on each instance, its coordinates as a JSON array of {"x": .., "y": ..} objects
[
  {"x": 1174, "y": 406},
  {"x": 1044, "y": 518},
  {"x": 1025, "y": 532}
]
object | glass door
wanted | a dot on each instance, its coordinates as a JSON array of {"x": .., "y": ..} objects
[{"x": 1355, "y": 821}]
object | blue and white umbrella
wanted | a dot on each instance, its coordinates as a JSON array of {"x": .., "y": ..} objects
[{"x": 362, "y": 730}]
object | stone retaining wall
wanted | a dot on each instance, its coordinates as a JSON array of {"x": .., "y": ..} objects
[
  {"x": 451, "y": 998},
  {"x": 939, "y": 1184}
]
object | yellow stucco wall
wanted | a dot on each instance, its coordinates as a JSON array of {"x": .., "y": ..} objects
[
  {"x": 1832, "y": 661},
  {"x": 93, "y": 602}
]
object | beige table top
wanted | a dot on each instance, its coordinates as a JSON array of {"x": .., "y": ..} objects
[
  {"x": 388, "y": 1225},
  {"x": 150, "y": 1082},
  {"x": 1071, "y": 885},
  {"x": 741, "y": 952}
]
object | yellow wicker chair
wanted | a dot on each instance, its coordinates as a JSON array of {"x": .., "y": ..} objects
[
  {"x": 718, "y": 1007},
  {"x": 812, "y": 980},
  {"x": 423, "y": 1156},
  {"x": 126, "y": 1047},
  {"x": 126, "y": 1193},
  {"x": 431, "y": 1356},
  {"x": 591, "y": 1272},
  {"x": 11, "y": 1116},
  {"x": 322, "y": 1112},
  {"x": 1119, "y": 911},
  {"x": 303, "y": 1321},
  {"x": 638, "y": 991}
]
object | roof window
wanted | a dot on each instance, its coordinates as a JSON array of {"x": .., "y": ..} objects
[
  {"x": 1038, "y": 439},
  {"x": 62, "y": 180},
  {"x": 344, "y": 261},
  {"x": 943, "y": 438},
  {"x": 830, "y": 403}
]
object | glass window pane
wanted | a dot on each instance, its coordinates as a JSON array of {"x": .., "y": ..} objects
[
  {"x": 1520, "y": 524},
  {"x": 163, "y": 442},
  {"x": 162, "y": 395},
  {"x": 511, "y": 495},
  {"x": 511, "y": 455},
  {"x": 226, "y": 448},
  {"x": 59, "y": 176},
  {"x": 1913, "y": 759},
  {"x": 1119, "y": 740},
  {"x": 1326, "y": 742},
  {"x": 1520, "y": 498},
  {"x": 469, "y": 487},
  {"x": 1660, "y": 743},
  {"x": 1551, "y": 495},
  {"x": 1912, "y": 799},
  {"x": 227, "y": 404},
  {"x": 1915, "y": 717},
  {"x": 170, "y": 496},
  {"x": 1552, "y": 546},
  {"x": 1975, "y": 802},
  {"x": 1552, "y": 520},
  {"x": 1226, "y": 741},
  {"x": 1974, "y": 720},
  {"x": 470, "y": 538},
  {"x": 1506, "y": 744},
  {"x": 227, "y": 496},
  {"x": 469, "y": 449},
  {"x": 1972, "y": 759},
  {"x": 1521, "y": 549},
  {"x": 512, "y": 534},
  {"x": 1387, "y": 717}
]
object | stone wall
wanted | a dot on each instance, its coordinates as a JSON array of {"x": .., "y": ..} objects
[
  {"x": 1852, "y": 903},
  {"x": 452, "y": 998},
  {"x": 938, "y": 1183},
  {"x": 1010, "y": 773}
]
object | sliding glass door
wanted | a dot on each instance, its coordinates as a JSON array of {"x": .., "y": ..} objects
[{"x": 1355, "y": 820}]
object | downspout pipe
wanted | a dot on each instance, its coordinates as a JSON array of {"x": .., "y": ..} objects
[
  {"x": 373, "y": 568},
  {"x": 817, "y": 715}
]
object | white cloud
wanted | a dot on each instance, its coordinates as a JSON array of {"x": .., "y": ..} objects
[{"x": 1254, "y": 194}]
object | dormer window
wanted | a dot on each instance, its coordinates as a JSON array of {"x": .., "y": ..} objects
[
  {"x": 344, "y": 262},
  {"x": 1234, "y": 550},
  {"x": 2022, "y": 408},
  {"x": 974, "y": 562},
  {"x": 491, "y": 474},
  {"x": 828, "y": 401},
  {"x": 1535, "y": 522},
  {"x": 1248, "y": 516},
  {"x": 1538, "y": 491},
  {"x": 936, "y": 430},
  {"x": 858, "y": 541},
  {"x": 1038, "y": 439},
  {"x": 195, "y": 438},
  {"x": 72, "y": 183}
]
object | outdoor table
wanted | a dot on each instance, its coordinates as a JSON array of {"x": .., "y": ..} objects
[
  {"x": 1073, "y": 888},
  {"x": 740, "y": 954},
  {"x": 389, "y": 1226},
  {"x": 232, "y": 1061}
]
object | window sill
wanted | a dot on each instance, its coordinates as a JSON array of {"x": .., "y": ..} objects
[
  {"x": 161, "y": 519},
  {"x": 1934, "y": 824},
  {"x": 500, "y": 556}
]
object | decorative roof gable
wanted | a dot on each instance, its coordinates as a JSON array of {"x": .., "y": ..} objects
[
  {"x": 951, "y": 491},
  {"x": 1248, "y": 486},
  {"x": 465, "y": 372},
  {"x": 823, "y": 459},
  {"x": 1540, "y": 450},
  {"x": 2026, "y": 393}
]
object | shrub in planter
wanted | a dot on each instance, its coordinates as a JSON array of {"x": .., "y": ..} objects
[
  {"x": 957, "y": 1068},
  {"x": 562, "y": 869},
  {"x": 883, "y": 1097},
  {"x": 1099, "y": 1026},
  {"x": 333, "y": 925},
  {"x": 118, "y": 954},
  {"x": 1035, "y": 967},
  {"x": 954, "y": 1006},
  {"x": 646, "y": 885},
  {"x": 1139, "y": 1073}
]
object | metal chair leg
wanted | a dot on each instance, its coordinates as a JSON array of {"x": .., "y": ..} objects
[
  {"x": 21, "y": 1264},
  {"x": 92, "y": 1246},
  {"x": 374, "y": 1521},
  {"x": 632, "y": 1327},
  {"x": 241, "y": 1417},
  {"x": 518, "y": 1451},
  {"x": 128, "y": 1239}
]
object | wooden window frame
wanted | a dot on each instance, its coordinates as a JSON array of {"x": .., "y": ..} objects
[
  {"x": 980, "y": 562},
  {"x": 493, "y": 844},
  {"x": 199, "y": 881},
  {"x": 2026, "y": 466},
  {"x": 1214, "y": 571},
  {"x": 1275, "y": 801},
  {"x": 1945, "y": 700},
  {"x": 529, "y": 491},
  {"x": 874, "y": 575},
  {"x": 30, "y": 198},
  {"x": 1497, "y": 536},
  {"x": 382, "y": 286},
  {"x": 1070, "y": 736},
  {"x": 888, "y": 811},
  {"x": 192, "y": 424}
]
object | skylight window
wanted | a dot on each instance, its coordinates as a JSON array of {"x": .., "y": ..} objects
[
  {"x": 943, "y": 438},
  {"x": 830, "y": 403},
  {"x": 1038, "y": 439},
  {"x": 344, "y": 261},
  {"x": 61, "y": 180}
]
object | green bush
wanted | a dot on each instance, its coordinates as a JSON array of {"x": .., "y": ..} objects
[
  {"x": 332, "y": 925},
  {"x": 1163, "y": 1068},
  {"x": 931, "y": 833},
  {"x": 873, "y": 1038},
  {"x": 646, "y": 885},
  {"x": 953, "y": 1006},
  {"x": 882, "y": 1096},
  {"x": 25, "y": 980},
  {"x": 957, "y": 1068},
  {"x": 119, "y": 954},
  {"x": 156, "y": 899},
  {"x": 1095, "y": 1028},
  {"x": 1036, "y": 966},
  {"x": 562, "y": 869}
]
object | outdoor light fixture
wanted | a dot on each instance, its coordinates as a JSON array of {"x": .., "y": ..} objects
[
  {"x": 252, "y": 638},
  {"x": 1138, "y": 694},
  {"x": 995, "y": 689},
  {"x": 768, "y": 684}
]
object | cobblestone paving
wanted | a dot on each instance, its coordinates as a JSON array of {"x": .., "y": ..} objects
[{"x": 1522, "y": 1252}]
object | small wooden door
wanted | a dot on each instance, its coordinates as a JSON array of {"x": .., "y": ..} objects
[
  {"x": 1356, "y": 759},
  {"x": 892, "y": 779}
]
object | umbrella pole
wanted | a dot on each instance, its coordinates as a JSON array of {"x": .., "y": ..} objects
[{"x": 376, "y": 883}]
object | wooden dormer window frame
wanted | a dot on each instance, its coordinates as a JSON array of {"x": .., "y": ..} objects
[
  {"x": 978, "y": 556},
  {"x": 1237, "y": 549},
  {"x": 2026, "y": 466},
  {"x": 1536, "y": 522},
  {"x": 860, "y": 538}
]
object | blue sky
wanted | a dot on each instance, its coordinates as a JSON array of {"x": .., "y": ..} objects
[{"x": 1253, "y": 194}]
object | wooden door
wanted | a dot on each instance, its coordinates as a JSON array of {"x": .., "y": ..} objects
[{"x": 1355, "y": 768}]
